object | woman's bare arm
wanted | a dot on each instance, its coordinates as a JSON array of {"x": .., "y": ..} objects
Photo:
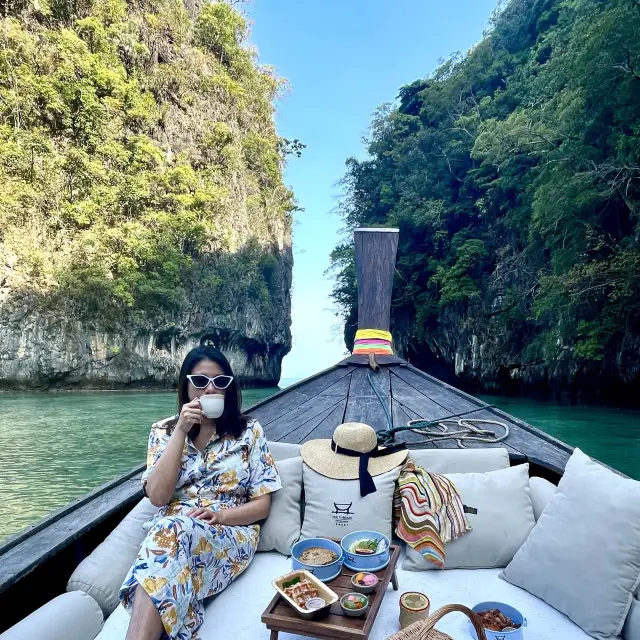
[
  {"x": 249, "y": 513},
  {"x": 162, "y": 480}
]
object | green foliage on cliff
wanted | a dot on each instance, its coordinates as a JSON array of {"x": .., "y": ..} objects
[
  {"x": 513, "y": 173},
  {"x": 138, "y": 157}
]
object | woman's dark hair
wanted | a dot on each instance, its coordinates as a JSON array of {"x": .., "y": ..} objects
[{"x": 232, "y": 422}]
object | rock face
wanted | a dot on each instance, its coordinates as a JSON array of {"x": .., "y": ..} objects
[
  {"x": 44, "y": 350},
  {"x": 468, "y": 350},
  {"x": 152, "y": 216}
]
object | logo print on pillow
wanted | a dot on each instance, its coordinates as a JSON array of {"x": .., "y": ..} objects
[{"x": 342, "y": 515}]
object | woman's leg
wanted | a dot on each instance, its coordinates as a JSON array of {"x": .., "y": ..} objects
[{"x": 145, "y": 623}]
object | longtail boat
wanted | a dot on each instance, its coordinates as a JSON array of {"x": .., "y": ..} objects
[{"x": 401, "y": 402}]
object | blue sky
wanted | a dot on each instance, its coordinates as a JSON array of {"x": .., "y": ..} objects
[{"x": 343, "y": 59}]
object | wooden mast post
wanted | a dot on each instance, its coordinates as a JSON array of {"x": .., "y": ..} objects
[{"x": 375, "y": 254}]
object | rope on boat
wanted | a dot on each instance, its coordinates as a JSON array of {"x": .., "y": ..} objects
[
  {"x": 467, "y": 430},
  {"x": 438, "y": 430}
]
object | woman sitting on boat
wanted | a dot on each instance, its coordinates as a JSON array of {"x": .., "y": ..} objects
[{"x": 211, "y": 478}]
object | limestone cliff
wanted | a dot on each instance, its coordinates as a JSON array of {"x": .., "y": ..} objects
[{"x": 142, "y": 207}]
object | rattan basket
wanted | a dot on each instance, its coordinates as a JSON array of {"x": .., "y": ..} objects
[{"x": 424, "y": 629}]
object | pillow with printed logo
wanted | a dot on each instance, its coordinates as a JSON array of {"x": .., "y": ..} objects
[{"x": 334, "y": 508}]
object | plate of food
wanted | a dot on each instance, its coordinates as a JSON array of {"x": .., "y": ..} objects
[
  {"x": 319, "y": 556},
  {"x": 304, "y": 593}
]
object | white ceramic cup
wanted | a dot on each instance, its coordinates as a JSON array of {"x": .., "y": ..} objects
[{"x": 212, "y": 405}]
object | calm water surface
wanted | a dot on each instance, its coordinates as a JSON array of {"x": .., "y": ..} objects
[
  {"x": 57, "y": 447},
  {"x": 608, "y": 434}
]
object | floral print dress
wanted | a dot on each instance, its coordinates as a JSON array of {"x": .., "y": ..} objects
[{"x": 183, "y": 560}]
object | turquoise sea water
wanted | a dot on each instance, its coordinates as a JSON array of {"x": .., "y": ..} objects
[
  {"x": 56, "y": 447},
  {"x": 611, "y": 435}
]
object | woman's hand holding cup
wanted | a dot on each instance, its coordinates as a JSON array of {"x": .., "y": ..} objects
[{"x": 191, "y": 414}]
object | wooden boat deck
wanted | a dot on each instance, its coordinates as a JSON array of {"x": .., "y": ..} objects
[{"x": 314, "y": 407}]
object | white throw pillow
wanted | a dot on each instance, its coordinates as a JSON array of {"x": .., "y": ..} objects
[
  {"x": 283, "y": 450},
  {"x": 71, "y": 616},
  {"x": 101, "y": 573},
  {"x": 460, "y": 460},
  {"x": 502, "y": 524},
  {"x": 583, "y": 556},
  {"x": 334, "y": 508},
  {"x": 541, "y": 493},
  {"x": 282, "y": 528}
]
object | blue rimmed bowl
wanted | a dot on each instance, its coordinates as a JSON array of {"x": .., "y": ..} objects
[
  {"x": 324, "y": 572},
  {"x": 507, "y": 611},
  {"x": 371, "y": 562}
]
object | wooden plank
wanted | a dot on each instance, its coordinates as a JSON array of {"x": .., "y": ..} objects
[
  {"x": 21, "y": 559},
  {"x": 415, "y": 400},
  {"x": 363, "y": 405},
  {"x": 375, "y": 257},
  {"x": 528, "y": 441},
  {"x": 321, "y": 426},
  {"x": 292, "y": 397},
  {"x": 402, "y": 415},
  {"x": 290, "y": 421}
]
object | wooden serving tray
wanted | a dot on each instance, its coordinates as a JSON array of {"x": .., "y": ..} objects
[{"x": 279, "y": 616}]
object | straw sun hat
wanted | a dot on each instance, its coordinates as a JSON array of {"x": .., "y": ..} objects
[{"x": 352, "y": 453}]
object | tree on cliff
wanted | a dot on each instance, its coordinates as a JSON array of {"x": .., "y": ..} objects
[
  {"x": 138, "y": 154},
  {"x": 513, "y": 173}
]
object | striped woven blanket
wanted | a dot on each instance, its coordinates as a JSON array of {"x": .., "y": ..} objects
[{"x": 428, "y": 512}]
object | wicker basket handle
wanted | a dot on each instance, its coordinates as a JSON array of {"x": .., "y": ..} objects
[{"x": 433, "y": 619}]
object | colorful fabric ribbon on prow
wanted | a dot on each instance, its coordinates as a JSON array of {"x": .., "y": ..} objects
[{"x": 373, "y": 341}]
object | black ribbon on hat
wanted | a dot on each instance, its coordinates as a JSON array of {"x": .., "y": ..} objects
[{"x": 367, "y": 484}]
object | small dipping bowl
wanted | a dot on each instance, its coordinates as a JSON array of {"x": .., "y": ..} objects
[
  {"x": 365, "y": 577},
  {"x": 313, "y": 604},
  {"x": 354, "y": 597}
]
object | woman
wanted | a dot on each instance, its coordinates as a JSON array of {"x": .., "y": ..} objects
[{"x": 212, "y": 479}]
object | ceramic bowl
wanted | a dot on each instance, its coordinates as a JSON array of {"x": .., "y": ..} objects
[
  {"x": 509, "y": 612},
  {"x": 354, "y": 613},
  {"x": 371, "y": 563},
  {"x": 323, "y": 572},
  {"x": 360, "y": 588}
]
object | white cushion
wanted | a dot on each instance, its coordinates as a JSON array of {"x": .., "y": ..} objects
[
  {"x": 334, "y": 508},
  {"x": 541, "y": 493},
  {"x": 460, "y": 460},
  {"x": 631, "y": 629},
  {"x": 282, "y": 528},
  {"x": 252, "y": 591},
  {"x": 283, "y": 450},
  {"x": 101, "y": 573},
  {"x": 502, "y": 524},
  {"x": 71, "y": 616},
  {"x": 583, "y": 557}
]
